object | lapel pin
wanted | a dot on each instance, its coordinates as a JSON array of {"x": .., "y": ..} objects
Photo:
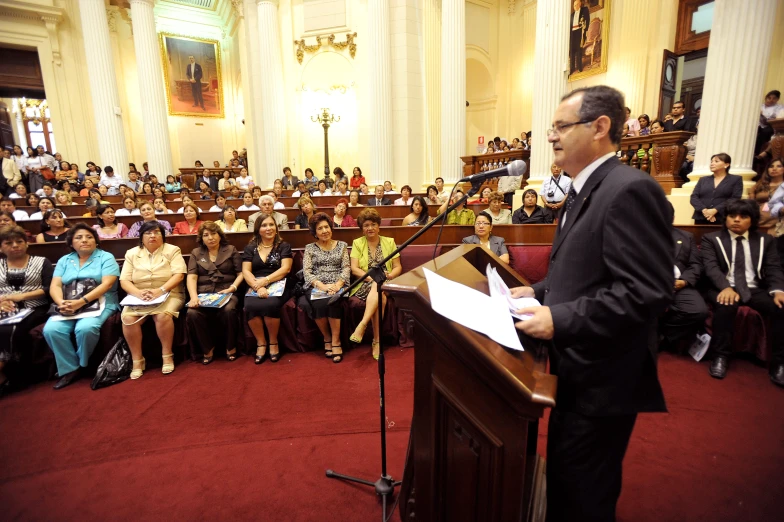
[{"x": 680, "y": 242}]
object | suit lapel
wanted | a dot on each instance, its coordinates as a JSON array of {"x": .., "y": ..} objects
[
  {"x": 678, "y": 245},
  {"x": 754, "y": 247},
  {"x": 582, "y": 200},
  {"x": 726, "y": 241}
]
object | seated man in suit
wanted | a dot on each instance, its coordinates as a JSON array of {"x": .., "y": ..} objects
[
  {"x": 686, "y": 315},
  {"x": 379, "y": 199},
  {"x": 743, "y": 268}
]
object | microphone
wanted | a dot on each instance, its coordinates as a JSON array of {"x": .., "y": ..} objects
[{"x": 515, "y": 168}]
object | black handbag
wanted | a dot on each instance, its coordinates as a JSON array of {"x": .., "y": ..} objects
[
  {"x": 74, "y": 291},
  {"x": 115, "y": 367}
]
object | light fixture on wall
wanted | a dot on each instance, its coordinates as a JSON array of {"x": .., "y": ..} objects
[{"x": 325, "y": 118}]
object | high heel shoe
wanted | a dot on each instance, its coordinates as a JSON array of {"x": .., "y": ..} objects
[
  {"x": 337, "y": 354},
  {"x": 274, "y": 357},
  {"x": 376, "y": 349},
  {"x": 207, "y": 359},
  {"x": 328, "y": 351},
  {"x": 358, "y": 334},
  {"x": 168, "y": 367},
  {"x": 138, "y": 372},
  {"x": 232, "y": 356},
  {"x": 260, "y": 358}
]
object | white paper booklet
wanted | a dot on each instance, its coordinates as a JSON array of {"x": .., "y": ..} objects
[
  {"x": 499, "y": 290},
  {"x": 135, "y": 301},
  {"x": 472, "y": 309}
]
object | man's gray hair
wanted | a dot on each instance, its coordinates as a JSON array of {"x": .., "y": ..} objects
[
  {"x": 601, "y": 100},
  {"x": 266, "y": 197}
]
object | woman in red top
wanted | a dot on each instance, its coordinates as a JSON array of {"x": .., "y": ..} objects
[
  {"x": 341, "y": 219},
  {"x": 357, "y": 178},
  {"x": 192, "y": 222}
]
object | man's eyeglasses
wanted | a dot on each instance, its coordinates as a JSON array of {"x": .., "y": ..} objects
[{"x": 559, "y": 128}]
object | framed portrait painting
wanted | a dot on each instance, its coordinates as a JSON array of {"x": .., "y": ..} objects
[
  {"x": 589, "y": 30},
  {"x": 192, "y": 73}
]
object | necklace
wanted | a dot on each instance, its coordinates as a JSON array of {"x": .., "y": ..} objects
[{"x": 266, "y": 246}]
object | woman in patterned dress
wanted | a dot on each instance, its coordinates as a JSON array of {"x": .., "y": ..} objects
[{"x": 327, "y": 269}]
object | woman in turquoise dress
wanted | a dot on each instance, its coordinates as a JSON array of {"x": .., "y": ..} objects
[{"x": 85, "y": 262}]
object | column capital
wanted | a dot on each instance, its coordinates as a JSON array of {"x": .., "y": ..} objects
[
  {"x": 276, "y": 3},
  {"x": 151, "y": 3}
]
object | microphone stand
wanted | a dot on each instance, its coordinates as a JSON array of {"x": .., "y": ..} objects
[{"x": 385, "y": 485}]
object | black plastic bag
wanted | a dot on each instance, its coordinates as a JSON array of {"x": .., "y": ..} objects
[{"x": 115, "y": 367}]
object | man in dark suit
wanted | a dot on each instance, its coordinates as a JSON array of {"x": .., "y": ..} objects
[
  {"x": 679, "y": 122},
  {"x": 379, "y": 198},
  {"x": 743, "y": 268},
  {"x": 688, "y": 311},
  {"x": 578, "y": 26},
  {"x": 608, "y": 281},
  {"x": 193, "y": 73},
  {"x": 209, "y": 179}
]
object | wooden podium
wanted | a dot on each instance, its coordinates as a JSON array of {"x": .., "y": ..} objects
[{"x": 477, "y": 406}]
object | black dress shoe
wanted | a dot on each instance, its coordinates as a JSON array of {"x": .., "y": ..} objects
[
  {"x": 68, "y": 378},
  {"x": 777, "y": 375},
  {"x": 718, "y": 367}
]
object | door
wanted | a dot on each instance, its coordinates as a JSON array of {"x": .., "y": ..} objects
[{"x": 669, "y": 73}]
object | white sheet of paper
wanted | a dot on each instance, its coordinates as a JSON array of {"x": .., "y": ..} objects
[
  {"x": 498, "y": 289},
  {"x": 135, "y": 301},
  {"x": 472, "y": 309}
]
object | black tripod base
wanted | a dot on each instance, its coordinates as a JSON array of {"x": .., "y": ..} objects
[{"x": 383, "y": 486}]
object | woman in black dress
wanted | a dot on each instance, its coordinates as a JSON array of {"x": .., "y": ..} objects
[
  {"x": 23, "y": 279},
  {"x": 712, "y": 192},
  {"x": 265, "y": 261}
]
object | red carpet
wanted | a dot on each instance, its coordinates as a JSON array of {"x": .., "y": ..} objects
[{"x": 233, "y": 441}]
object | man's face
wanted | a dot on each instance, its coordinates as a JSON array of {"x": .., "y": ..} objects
[
  {"x": 771, "y": 99},
  {"x": 555, "y": 170},
  {"x": 572, "y": 144},
  {"x": 40, "y": 149},
  {"x": 529, "y": 200},
  {"x": 677, "y": 109},
  {"x": 738, "y": 224},
  {"x": 133, "y": 176},
  {"x": 193, "y": 60},
  {"x": 387, "y": 185},
  {"x": 440, "y": 184},
  {"x": 58, "y": 157},
  {"x": 48, "y": 190},
  {"x": 7, "y": 206},
  {"x": 379, "y": 192},
  {"x": 7, "y": 154},
  {"x": 576, "y": 7},
  {"x": 266, "y": 206}
]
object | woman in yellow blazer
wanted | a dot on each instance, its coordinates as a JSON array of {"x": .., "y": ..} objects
[
  {"x": 367, "y": 251},
  {"x": 151, "y": 270}
]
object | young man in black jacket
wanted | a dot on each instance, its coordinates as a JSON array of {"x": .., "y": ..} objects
[{"x": 743, "y": 268}]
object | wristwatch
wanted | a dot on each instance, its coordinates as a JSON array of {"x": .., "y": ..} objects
[{"x": 85, "y": 300}]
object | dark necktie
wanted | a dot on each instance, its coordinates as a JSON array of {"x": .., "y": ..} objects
[
  {"x": 739, "y": 273},
  {"x": 570, "y": 199}
]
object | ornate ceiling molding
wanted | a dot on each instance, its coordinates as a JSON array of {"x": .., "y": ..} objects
[{"x": 330, "y": 42}]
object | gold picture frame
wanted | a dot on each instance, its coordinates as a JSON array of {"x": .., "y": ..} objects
[
  {"x": 181, "y": 74},
  {"x": 594, "y": 36}
]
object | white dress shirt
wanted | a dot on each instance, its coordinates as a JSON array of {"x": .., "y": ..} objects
[{"x": 751, "y": 274}]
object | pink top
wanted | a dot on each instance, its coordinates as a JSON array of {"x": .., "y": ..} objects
[{"x": 122, "y": 231}]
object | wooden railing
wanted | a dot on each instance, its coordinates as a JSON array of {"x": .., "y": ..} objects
[
  {"x": 777, "y": 141},
  {"x": 481, "y": 162},
  {"x": 661, "y": 155}
]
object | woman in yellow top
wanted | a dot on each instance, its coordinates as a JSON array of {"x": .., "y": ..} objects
[
  {"x": 151, "y": 270},
  {"x": 228, "y": 221},
  {"x": 367, "y": 251}
]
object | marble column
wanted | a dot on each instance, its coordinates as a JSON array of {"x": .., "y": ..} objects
[
  {"x": 741, "y": 40},
  {"x": 551, "y": 53},
  {"x": 253, "y": 101},
  {"x": 453, "y": 89},
  {"x": 432, "y": 37},
  {"x": 629, "y": 70},
  {"x": 380, "y": 85},
  {"x": 273, "y": 100},
  {"x": 103, "y": 86},
  {"x": 151, "y": 89},
  {"x": 20, "y": 128}
]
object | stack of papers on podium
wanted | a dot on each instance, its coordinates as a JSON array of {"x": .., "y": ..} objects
[
  {"x": 473, "y": 309},
  {"x": 499, "y": 290}
]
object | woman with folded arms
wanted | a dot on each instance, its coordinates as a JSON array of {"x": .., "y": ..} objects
[
  {"x": 151, "y": 270},
  {"x": 307, "y": 209},
  {"x": 341, "y": 219},
  {"x": 23, "y": 280},
  {"x": 366, "y": 251},
  {"x": 228, "y": 221},
  {"x": 147, "y": 212},
  {"x": 265, "y": 260},
  {"x": 483, "y": 228},
  {"x": 214, "y": 266},
  {"x": 327, "y": 268},
  {"x": 191, "y": 223},
  {"x": 54, "y": 227},
  {"x": 108, "y": 227},
  {"x": 500, "y": 216},
  {"x": 172, "y": 185},
  {"x": 711, "y": 193},
  {"x": 85, "y": 262}
]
